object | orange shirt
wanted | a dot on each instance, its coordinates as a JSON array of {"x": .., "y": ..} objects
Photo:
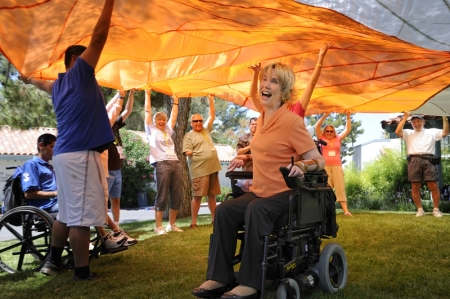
[
  {"x": 273, "y": 146},
  {"x": 332, "y": 151}
]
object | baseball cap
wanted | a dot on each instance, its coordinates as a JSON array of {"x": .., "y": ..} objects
[{"x": 416, "y": 116}]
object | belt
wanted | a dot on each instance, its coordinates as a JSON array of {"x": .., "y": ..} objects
[{"x": 422, "y": 155}]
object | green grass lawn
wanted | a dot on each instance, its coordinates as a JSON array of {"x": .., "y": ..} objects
[{"x": 390, "y": 255}]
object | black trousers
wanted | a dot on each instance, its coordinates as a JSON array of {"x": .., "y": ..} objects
[{"x": 259, "y": 215}]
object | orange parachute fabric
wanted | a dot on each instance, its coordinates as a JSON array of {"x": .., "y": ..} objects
[{"x": 190, "y": 47}]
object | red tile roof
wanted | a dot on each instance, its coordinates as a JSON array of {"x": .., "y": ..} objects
[
  {"x": 16, "y": 142},
  {"x": 21, "y": 142}
]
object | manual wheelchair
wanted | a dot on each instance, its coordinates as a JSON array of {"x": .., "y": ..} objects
[
  {"x": 25, "y": 239},
  {"x": 291, "y": 253}
]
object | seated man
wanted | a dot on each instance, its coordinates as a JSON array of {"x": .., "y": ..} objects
[
  {"x": 38, "y": 177},
  {"x": 39, "y": 187}
]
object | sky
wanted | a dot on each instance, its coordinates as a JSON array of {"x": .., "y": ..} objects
[{"x": 370, "y": 122}]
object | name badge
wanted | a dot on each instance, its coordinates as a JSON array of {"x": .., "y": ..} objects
[
  {"x": 120, "y": 152},
  {"x": 213, "y": 149},
  {"x": 170, "y": 152},
  {"x": 332, "y": 153}
]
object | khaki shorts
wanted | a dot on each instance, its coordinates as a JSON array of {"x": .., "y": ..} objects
[
  {"x": 206, "y": 185},
  {"x": 82, "y": 189}
]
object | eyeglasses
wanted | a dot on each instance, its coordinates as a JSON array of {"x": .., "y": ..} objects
[
  {"x": 198, "y": 121},
  {"x": 329, "y": 132}
]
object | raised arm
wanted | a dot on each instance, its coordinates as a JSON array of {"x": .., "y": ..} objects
[
  {"x": 348, "y": 127},
  {"x": 444, "y": 126},
  {"x": 43, "y": 85},
  {"x": 319, "y": 125},
  {"x": 401, "y": 124},
  {"x": 212, "y": 111},
  {"x": 254, "y": 93},
  {"x": 148, "y": 108},
  {"x": 99, "y": 36},
  {"x": 174, "y": 113},
  {"x": 129, "y": 106},
  {"x": 114, "y": 109},
  {"x": 306, "y": 95}
]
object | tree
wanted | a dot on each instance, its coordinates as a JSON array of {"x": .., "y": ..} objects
[{"x": 22, "y": 106}]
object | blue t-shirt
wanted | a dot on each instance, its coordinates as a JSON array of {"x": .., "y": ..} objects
[
  {"x": 79, "y": 106},
  {"x": 39, "y": 175}
]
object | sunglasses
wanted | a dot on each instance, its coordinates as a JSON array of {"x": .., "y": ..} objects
[
  {"x": 198, "y": 121},
  {"x": 329, "y": 132}
]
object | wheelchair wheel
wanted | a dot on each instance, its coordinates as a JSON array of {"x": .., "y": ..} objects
[
  {"x": 282, "y": 291},
  {"x": 27, "y": 242},
  {"x": 333, "y": 268}
]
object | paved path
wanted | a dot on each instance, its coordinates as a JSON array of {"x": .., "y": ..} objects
[{"x": 126, "y": 216}]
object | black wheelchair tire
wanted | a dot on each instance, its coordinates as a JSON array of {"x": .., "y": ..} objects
[{"x": 333, "y": 268}]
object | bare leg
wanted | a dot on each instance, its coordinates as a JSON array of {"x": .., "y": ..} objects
[
  {"x": 60, "y": 234},
  {"x": 158, "y": 218},
  {"x": 435, "y": 193},
  {"x": 345, "y": 208},
  {"x": 115, "y": 209},
  {"x": 172, "y": 216},
  {"x": 416, "y": 194},
  {"x": 212, "y": 205},
  {"x": 195, "y": 207},
  {"x": 79, "y": 241}
]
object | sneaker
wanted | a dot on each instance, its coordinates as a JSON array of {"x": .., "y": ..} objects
[
  {"x": 50, "y": 269},
  {"x": 121, "y": 233},
  {"x": 92, "y": 276},
  {"x": 91, "y": 246},
  {"x": 160, "y": 231},
  {"x": 437, "y": 213},
  {"x": 420, "y": 213},
  {"x": 173, "y": 228},
  {"x": 112, "y": 241}
]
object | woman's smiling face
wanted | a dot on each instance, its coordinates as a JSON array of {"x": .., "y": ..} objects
[
  {"x": 329, "y": 132},
  {"x": 270, "y": 90}
]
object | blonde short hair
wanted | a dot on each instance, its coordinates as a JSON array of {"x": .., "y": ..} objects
[
  {"x": 287, "y": 80},
  {"x": 159, "y": 115}
]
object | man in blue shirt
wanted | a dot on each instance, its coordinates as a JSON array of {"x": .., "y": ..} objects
[
  {"x": 38, "y": 176},
  {"x": 84, "y": 132}
]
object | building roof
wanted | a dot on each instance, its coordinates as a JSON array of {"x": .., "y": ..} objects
[{"x": 16, "y": 142}]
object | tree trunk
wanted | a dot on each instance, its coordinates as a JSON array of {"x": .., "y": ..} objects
[{"x": 184, "y": 109}]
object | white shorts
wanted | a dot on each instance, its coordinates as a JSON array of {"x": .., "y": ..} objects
[{"x": 82, "y": 189}]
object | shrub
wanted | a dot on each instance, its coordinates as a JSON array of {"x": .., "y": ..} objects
[
  {"x": 137, "y": 173},
  {"x": 223, "y": 193}
]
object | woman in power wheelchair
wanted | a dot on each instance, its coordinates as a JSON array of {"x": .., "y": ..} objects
[{"x": 280, "y": 134}]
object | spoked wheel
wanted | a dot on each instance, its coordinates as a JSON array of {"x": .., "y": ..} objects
[
  {"x": 28, "y": 232},
  {"x": 288, "y": 289},
  {"x": 333, "y": 268}
]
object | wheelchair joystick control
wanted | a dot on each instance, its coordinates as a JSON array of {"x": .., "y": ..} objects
[{"x": 291, "y": 182}]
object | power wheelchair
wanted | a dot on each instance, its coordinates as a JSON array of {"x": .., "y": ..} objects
[
  {"x": 26, "y": 239},
  {"x": 291, "y": 254}
]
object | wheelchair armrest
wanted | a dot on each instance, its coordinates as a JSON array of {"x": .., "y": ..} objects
[{"x": 239, "y": 174}]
